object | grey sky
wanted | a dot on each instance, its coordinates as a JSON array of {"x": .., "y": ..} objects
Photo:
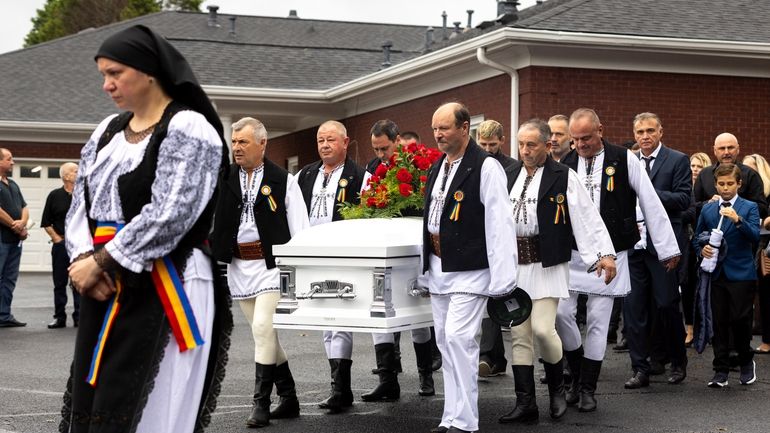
[{"x": 18, "y": 13}]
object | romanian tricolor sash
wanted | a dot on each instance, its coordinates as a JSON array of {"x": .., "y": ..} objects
[{"x": 172, "y": 296}]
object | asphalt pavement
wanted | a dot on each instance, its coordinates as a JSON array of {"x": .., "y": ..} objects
[{"x": 34, "y": 364}]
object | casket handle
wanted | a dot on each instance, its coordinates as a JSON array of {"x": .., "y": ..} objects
[{"x": 329, "y": 289}]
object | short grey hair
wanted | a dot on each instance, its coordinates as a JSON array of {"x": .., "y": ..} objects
[
  {"x": 541, "y": 126},
  {"x": 646, "y": 116},
  {"x": 258, "y": 127},
  {"x": 67, "y": 167}
]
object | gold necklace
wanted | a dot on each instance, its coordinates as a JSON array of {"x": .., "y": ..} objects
[{"x": 134, "y": 137}]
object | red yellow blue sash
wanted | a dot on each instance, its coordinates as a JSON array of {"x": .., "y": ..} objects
[{"x": 172, "y": 296}]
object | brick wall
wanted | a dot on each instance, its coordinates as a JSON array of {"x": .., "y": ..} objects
[
  {"x": 43, "y": 150},
  {"x": 489, "y": 97},
  {"x": 694, "y": 108}
]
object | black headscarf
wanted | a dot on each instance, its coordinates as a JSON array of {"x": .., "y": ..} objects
[{"x": 144, "y": 50}]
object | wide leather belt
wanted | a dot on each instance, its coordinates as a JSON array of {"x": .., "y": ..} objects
[
  {"x": 249, "y": 251},
  {"x": 529, "y": 249},
  {"x": 435, "y": 241}
]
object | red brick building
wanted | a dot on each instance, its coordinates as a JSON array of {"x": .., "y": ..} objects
[{"x": 703, "y": 73}]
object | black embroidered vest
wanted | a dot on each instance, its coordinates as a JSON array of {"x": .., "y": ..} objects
[
  {"x": 273, "y": 226},
  {"x": 618, "y": 207},
  {"x": 463, "y": 242},
  {"x": 135, "y": 187},
  {"x": 555, "y": 233},
  {"x": 351, "y": 172}
]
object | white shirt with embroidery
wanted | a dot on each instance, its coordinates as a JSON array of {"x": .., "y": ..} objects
[
  {"x": 500, "y": 236},
  {"x": 249, "y": 278}
]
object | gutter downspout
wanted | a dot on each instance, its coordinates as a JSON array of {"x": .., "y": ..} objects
[{"x": 481, "y": 56}]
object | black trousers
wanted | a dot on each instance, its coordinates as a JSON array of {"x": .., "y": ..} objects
[
  {"x": 732, "y": 310},
  {"x": 652, "y": 289},
  {"x": 59, "y": 263},
  {"x": 491, "y": 347},
  {"x": 764, "y": 307}
]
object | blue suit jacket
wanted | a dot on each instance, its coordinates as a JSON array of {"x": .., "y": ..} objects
[
  {"x": 672, "y": 179},
  {"x": 738, "y": 264}
]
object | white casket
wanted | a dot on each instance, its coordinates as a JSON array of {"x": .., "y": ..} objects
[{"x": 354, "y": 275}]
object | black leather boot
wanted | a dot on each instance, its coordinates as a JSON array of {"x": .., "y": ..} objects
[
  {"x": 388, "y": 389},
  {"x": 437, "y": 362},
  {"x": 423, "y": 352},
  {"x": 574, "y": 359},
  {"x": 340, "y": 396},
  {"x": 558, "y": 402},
  {"x": 288, "y": 405},
  {"x": 525, "y": 411},
  {"x": 263, "y": 386},
  {"x": 589, "y": 375}
]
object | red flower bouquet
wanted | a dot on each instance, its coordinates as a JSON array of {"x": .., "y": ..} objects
[{"x": 396, "y": 187}]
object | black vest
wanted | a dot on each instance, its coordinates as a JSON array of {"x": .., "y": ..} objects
[
  {"x": 135, "y": 187},
  {"x": 618, "y": 207},
  {"x": 463, "y": 242},
  {"x": 273, "y": 226},
  {"x": 351, "y": 172},
  {"x": 555, "y": 235}
]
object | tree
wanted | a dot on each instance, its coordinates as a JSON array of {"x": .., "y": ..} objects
[
  {"x": 183, "y": 5},
  {"x": 65, "y": 17}
]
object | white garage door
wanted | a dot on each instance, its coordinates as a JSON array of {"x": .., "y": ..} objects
[{"x": 36, "y": 178}]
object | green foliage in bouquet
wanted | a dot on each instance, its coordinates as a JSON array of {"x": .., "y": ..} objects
[{"x": 396, "y": 188}]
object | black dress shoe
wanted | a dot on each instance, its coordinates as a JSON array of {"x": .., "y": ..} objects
[
  {"x": 11, "y": 323},
  {"x": 678, "y": 373},
  {"x": 439, "y": 429},
  {"x": 456, "y": 430},
  {"x": 638, "y": 380},
  {"x": 58, "y": 323}
]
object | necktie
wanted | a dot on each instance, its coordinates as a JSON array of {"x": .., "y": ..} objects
[{"x": 648, "y": 163}]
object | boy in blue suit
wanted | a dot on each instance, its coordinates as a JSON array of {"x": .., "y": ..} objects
[{"x": 733, "y": 281}]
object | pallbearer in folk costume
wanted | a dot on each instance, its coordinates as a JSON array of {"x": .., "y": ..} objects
[
  {"x": 550, "y": 209},
  {"x": 260, "y": 205},
  {"x": 614, "y": 179},
  {"x": 469, "y": 254},
  {"x": 325, "y": 183}
]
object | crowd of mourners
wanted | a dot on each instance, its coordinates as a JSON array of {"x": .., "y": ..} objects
[{"x": 671, "y": 246}]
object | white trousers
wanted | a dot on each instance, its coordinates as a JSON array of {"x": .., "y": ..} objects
[
  {"x": 457, "y": 320},
  {"x": 338, "y": 344},
  {"x": 419, "y": 336},
  {"x": 598, "y": 311},
  {"x": 540, "y": 325},
  {"x": 259, "y": 312},
  {"x": 179, "y": 383}
]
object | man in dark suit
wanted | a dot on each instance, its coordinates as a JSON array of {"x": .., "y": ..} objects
[
  {"x": 726, "y": 150},
  {"x": 653, "y": 285}
]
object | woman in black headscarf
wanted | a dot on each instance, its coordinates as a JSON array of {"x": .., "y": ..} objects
[{"x": 155, "y": 318}]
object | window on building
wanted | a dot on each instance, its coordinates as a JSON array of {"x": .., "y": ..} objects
[
  {"x": 31, "y": 171},
  {"x": 475, "y": 121},
  {"x": 53, "y": 172}
]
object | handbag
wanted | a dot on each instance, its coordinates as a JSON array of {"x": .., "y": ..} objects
[{"x": 764, "y": 262}]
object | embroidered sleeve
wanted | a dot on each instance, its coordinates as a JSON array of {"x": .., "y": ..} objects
[
  {"x": 655, "y": 216},
  {"x": 77, "y": 237},
  {"x": 591, "y": 235},
  {"x": 500, "y": 229},
  {"x": 185, "y": 179}
]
